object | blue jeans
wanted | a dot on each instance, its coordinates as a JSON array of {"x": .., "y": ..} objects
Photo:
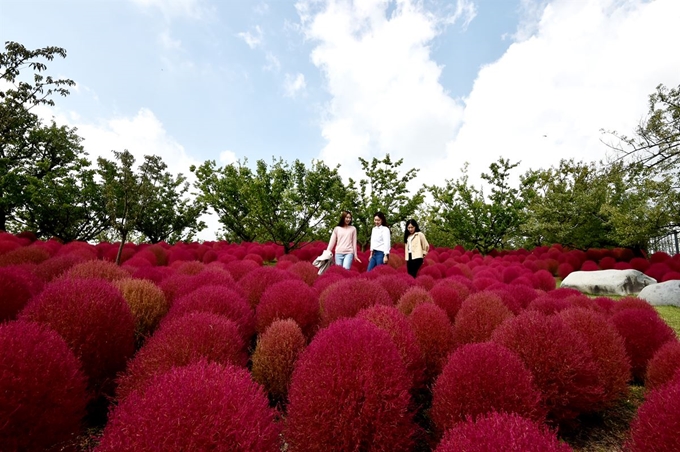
[
  {"x": 376, "y": 260},
  {"x": 344, "y": 259}
]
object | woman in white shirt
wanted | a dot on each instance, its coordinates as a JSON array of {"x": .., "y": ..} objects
[
  {"x": 416, "y": 247},
  {"x": 380, "y": 242},
  {"x": 344, "y": 239}
]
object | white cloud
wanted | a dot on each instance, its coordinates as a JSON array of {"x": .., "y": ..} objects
[
  {"x": 273, "y": 63},
  {"x": 386, "y": 94},
  {"x": 227, "y": 157},
  {"x": 168, "y": 42},
  {"x": 589, "y": 65},
  {"x": 294, "y": 85},
  {"x": 194, "y": 9},
  {"x": 252, "y": 39}
]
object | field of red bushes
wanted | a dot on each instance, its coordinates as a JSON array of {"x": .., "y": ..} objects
[{"x": 223, "y": 347}]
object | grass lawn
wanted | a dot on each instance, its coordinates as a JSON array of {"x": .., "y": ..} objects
[{"x": 671, "y": 315}]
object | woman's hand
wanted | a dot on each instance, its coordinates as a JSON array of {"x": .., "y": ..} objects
[
  {"x": 386, "y": 258},
  {"x": 357, "y": 259}
]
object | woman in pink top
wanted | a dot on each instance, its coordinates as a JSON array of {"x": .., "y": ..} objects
[{"x": 344, "y": 239}]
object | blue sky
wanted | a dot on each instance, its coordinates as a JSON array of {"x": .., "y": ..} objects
[{"x": 436, "y": 82}]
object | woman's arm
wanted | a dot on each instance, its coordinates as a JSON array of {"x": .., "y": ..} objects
[
  {"x": 424, "y": 244},
  {"x": 332, "y": 241}
]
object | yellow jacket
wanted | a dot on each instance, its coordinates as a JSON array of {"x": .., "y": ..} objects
[{"x": 419, "y": 246}]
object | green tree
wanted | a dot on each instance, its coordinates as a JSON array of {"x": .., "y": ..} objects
[
  {"x": 283, "y": 203},
  {"x": 474, "y": 220},
  {"x": 383, "y": 189},
  {"x": 28, "y": 149},
  {"x": 168, "y": 213}
]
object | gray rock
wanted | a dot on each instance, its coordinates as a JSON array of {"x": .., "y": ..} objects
[
  {"x": 662, "y": 294},
  {"x": 608, "y": 282}
]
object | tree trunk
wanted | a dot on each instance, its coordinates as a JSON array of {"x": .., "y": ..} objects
[{"x": 123, "y": 238}]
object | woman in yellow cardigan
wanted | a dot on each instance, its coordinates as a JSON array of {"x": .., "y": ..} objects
[{"x": 416, "y": 247}]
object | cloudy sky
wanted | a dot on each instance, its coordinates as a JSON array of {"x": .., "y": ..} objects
[{"x": 437, "y": 82}]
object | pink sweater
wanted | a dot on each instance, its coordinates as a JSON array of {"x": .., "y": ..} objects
[{"x": 344, "y": 240}]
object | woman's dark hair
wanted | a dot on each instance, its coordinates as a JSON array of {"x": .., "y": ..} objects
[
  {"x": 415, "y": 224},
  {"x": 381, "y": 215},
  {"x": 343, "y": 215}
]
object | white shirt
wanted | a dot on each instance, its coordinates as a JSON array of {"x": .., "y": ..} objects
[{"x": 380, "y": 239}]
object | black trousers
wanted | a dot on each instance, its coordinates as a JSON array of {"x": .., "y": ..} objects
[{"x": 413, "y": 265}]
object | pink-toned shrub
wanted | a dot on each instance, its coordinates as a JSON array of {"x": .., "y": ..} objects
[
  {"x": 17, "y": 286},
  {"x": 480, "y": 314},
  {"x": 523, "y": 294},
  {"x": 606, "y": 304},
  {"x": 640, "y": 264},
  {"x": 24, "y": 255},
  {"x": 395, "y": 285},
  {"x": 425, "y": 281},
  {"x": 657, "y": 270},
  {"x": 201, "y": 407},
  {"x": 257, "y": 281},
  {"x": 482, "y": 282},
  {"x": 659, "y": 257},
  {"x": 480, "y": 378},
  {"x": 608, "y": 349},
  {"x": 153, "y": 274},
  {"x": 589, "y": 266},
  {"x": 239, "y": 269},
  {"x": 96, "y": 270},
  {"x": 213, "y": 276},
  {"x": 43, "y": 392},
  {"x": 510, "y": 273},
  {"x": 347, "y": 297},
  {"x": 559, "y": 359},
  {"x": 631, "y": 302},
  {"x": 147, "y": 304},
  {"x": 350, "y": 391},
  {"x": 112, "y": 253},
  {"x": 94, "y": 320},
  {"x": 664, "y": 364},
  {"x": 306, "y": 271},
  {"x": 434, "y": 333},
  {"x": 219, "y": 300},
  {"x": 564, "y": 269},
  {"x": 508, "y": 432},
  {"x": 56, "y": 266},
  {"x": 548, "y": 304},
  {"x": 607, "y": 263},
  {"x": 275, "y": 355},
  {"x": 397, "y": 325},
  {"x": 292, "y": 299},
  {"x": 449, "y": 296},
  {"x": 188, "y": 267},
  {"x": 507, "y": 297},
  {"x": 413, "y": 297},
  {"x": 643, "y": 332},
  {"x": 657, "y": 425},
  {"x": 670, "y": 276},
  {"x": 181, "y": 341},
  {"x": 255, "y": 258},
  {"x": 544, "y": 280}
]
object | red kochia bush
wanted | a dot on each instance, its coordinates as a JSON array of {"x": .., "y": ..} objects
[
  {"x": 306, "y": 271},
  {"x": 657, "y": 425},
  {"x": 413, "y": 297},
  {"x": 663, "y": 365},
  {"x": 350, "y": 391},
  {"x": 559, "y": 359},
  {"x": 395, "y": 285},
  {"x": 93, "y": 318},
  {"x": 449, "y": 296},
  {"x": 182, "y": 341},
  {"x": 43, "y": 392},
  {"x": 239, "y": 269},
  {"x": 479, "y": 316},
  {"x": 203, "y": 406},
  {"x": 643, "y": 333},
  {"x": 480, "y": 378},
  {"x": 347, "y": 297},
  {"x": 17, "y": 286},
  {"x": 544, "y": 280},
  {"x": 608, "y": 351},
  {"x": 501, "y": 432},
  {"x": 217, "y": 300},
  {"x": 435, "y": 336},
  {"x": 256, "y": 282},
  {"x": 275, "y": 355},
  {"x": 57, "y": 265},
  {"x": 96, "y": 270},
  {"x": 147, "y": 304},
  {"x": 289, "y": 299},
  {"x": 396, "y": 324}
]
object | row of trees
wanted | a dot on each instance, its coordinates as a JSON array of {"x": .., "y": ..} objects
[{"x": 49, "y": 186}]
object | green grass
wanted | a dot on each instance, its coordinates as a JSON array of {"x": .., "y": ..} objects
[{"x": 671, "y": 316}]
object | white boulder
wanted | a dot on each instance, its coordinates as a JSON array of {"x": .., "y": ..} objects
[
  {"x": 608, "y": 282},
  {"x": 662, "y": 294}
]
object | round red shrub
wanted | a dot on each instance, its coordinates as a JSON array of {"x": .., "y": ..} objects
[
  {"x": 188, "y": 267},
  {"x": 395, "y": 285},
  {"x": 292, "y": 299},
  {"x": 449, "y": 296},
  {"x": 425, "y": 281},
  {"x": 257, "y": 281},
  {"x": 670, "y": 276},
  {"x": 657, "y": 424},
  {"x": 663, "y": 365},
  {"x": 43, "y": 392},
  {"x": 94, "y": 319},
  {"x": 548, "y": 304},
  {"x": 203, "y": 406},
  {"x": 508, "y": 432},
  {"x": 607, "y": 263},
  {"x": 17, "y": 286},
  {"x": 350, "y": 391},
  {"x": 643, "y": 332},
  {"x": 397, "y": 325},
  {"x": 640, "y": 264},
  {"x": 512, "y": 272},
  {"x": 657, "y": 270},
  {"x": 306, "y": 271},
  {"x": 507, "y": 297},
  {"x": 56, "y": 266},
  {"x": 434, "y": 333},
  {"x": 608, "y": 349},
  {"x": 413, "y": 297},
  {"x": 97, "y": 270},
  {"x": 181, "y": 341},
  {"x": 589, "y": 266},
  {"x": 631, "y": 302},
  {"x": 659, "y": 257},
  {"x": 559, "y": 359},
  {"x": 480, "y": 378},
  {"x": 544, "y": 280},
  {"x": 347, "y": 297},
  {"x": 276, "y": 352},
  {"x": 480, "y": 314},
  {"x": 147, "y": 304},
  {"x": 325, "y": 280},
  {"x": 564, "y": 269},
  {"x": 24, "y": 255},
  {"x": 239, "y": 269},
  {"x": 482, "y": 282}
]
